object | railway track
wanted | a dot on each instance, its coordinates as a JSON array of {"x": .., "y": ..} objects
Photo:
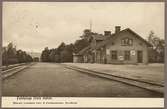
[
  {"x": 13, "y": 69},
  {"x": 137, "y": 83},
  {"x": 12, "y": 66}
]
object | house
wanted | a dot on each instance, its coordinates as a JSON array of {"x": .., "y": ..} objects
[{"x": 121, "y": 47}]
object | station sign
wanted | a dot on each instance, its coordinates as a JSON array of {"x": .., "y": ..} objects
[
  {"x": 108, "y": 51},
  {"x": 121, "y": 58}
]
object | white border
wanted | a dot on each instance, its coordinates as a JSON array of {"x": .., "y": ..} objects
[{"x": 84, "y": 102}]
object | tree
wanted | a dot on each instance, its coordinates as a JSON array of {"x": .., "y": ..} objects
[
  {"x": 29, "y": 58},
  {"x": 45, "y": 55},
  {"x": 87, "y": 34},
  {"x": 20, "y": 56},
  {"x": 4, "y": 56},
  {"x": 11, "y": 54},
  {"x": 156, "y": 54},
  {"x": 67, "y": 53},
  {"x": 57, "y": 56},
  {"x": 52, "y": 55},
  {"x": 61, "y": 47},
  {"x": 85, "y": 40}
]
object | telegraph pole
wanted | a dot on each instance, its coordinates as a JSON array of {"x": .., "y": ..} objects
[{"x": 90, "y": 25}]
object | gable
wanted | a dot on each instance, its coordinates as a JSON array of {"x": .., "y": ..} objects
[
  {"x": 135, "y": 35},
  {"x": 126, "y": 39}
]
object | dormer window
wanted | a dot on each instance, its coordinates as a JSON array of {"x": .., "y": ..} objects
[{"x": 126, "y": 42}]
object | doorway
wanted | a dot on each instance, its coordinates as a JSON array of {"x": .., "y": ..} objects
[{"x": 139, "y": 56}]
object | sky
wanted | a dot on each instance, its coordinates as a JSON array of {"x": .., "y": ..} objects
[{"x": 32, "y": 26}]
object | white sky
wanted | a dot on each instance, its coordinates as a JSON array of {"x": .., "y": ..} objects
[{"x": 33, "y": 25}]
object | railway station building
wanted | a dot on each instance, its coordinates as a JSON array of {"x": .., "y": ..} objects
[{"x": 121, "y": 47}]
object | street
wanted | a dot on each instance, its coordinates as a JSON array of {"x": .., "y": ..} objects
[{"x": 51, "y": 79}]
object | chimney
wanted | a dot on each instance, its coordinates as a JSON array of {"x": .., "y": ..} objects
[
  {"x": 117, "y": 29},
  {"x": 107, "y": 33}
]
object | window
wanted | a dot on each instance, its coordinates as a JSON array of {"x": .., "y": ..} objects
[
  {"x": 126, "y": 42},
  {"x": 127, "y": 55},
  {"x": 114, "y": 55}
]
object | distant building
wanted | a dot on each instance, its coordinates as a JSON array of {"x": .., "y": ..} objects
[
  {"x": 121, "y": 47},
  {"x": 36, "y": 59}
]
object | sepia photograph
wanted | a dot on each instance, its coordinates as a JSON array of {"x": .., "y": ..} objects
[{"x": 83, "y": 49}]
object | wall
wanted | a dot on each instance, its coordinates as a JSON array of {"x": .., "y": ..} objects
[{"x": 137, "y": 45}]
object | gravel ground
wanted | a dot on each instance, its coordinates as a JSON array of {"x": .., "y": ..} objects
[{"x": 49, "y": 79}]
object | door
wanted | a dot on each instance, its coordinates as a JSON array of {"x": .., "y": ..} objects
[
  {"x": 139, "y": 56},
  {"x": 93, "y": 57}
]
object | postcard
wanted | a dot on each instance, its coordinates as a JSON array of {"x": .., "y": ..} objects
[{"x": 83, "y": 54}]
